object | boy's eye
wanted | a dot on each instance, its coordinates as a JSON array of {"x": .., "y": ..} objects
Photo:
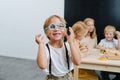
[
  {"x": 62, "y": 26},
  {"x": 52, "y": 26}
]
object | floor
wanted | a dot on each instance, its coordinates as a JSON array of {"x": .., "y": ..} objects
[{"x": 19, "y": 69}]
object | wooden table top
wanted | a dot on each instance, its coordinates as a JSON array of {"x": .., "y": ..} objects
[{"x": 93, "y": 58}]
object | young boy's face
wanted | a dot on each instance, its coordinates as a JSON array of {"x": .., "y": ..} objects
[
  {"x": 109, "y": 36},
  {"x": 55, "y": 32}
]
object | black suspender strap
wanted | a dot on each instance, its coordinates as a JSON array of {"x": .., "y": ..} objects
[
  {"x": 67, "y": 57},
  {"x": 49, "y": 59}
]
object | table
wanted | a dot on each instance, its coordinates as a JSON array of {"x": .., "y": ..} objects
[{"x": 92, "y": 62}]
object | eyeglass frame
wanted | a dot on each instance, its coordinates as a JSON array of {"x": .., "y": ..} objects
[{"x": 56, "y": 26}]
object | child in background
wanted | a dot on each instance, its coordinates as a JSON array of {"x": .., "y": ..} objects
[
  {"x": 109, "y": 42},
  {"x": 56, "y": 58},
  {"x": 80, "y": 30},
  {"x": 91, "y": 36}
]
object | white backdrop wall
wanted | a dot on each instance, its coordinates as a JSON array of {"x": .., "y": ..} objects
[{"x": 20, "y": 21}]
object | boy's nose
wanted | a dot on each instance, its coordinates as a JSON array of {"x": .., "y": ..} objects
[{"x": 57, "y": 28}]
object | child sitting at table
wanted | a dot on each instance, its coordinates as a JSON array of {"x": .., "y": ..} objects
[
  {"x": 91, "y": 36},
  {"x": 109, "y": 42},
  {"x": 80, "y": 30}
]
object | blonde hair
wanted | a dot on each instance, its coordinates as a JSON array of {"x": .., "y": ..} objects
[
  {"x": 80, "y": 27},
  {"x": 88, "y": 19},
  {"x": 93, "y": 34},
  {"x": 109, "y": 28}
]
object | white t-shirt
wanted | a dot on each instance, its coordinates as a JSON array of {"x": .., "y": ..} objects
[
  {"x": 109, "y": 44},
  {"x": 59, "y": 66}
]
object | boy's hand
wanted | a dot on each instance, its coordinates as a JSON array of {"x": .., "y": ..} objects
[
  {"x": 117, "y": 34},
  {"x": 70, "y": 37},
  {"x": 39, "y": 39}
]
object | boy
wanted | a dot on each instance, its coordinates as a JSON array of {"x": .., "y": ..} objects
[
  {"x": 57, "y": 57},
  {"x": 110, "y": 43}
]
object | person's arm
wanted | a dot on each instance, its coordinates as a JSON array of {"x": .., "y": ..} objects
[
  {"x": 118, "y": 37},
  {"x": 101, "y": 47},
  {"x": 119, "y": 43},
  {"x": 41, "y": 56},
  {"x": 85, "y": 49},
  {"x": 95, "y": 42},
  {"x": 75, "y": 52}
]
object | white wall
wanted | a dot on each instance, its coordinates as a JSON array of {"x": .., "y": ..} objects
[{"x": 20, "y": 21}]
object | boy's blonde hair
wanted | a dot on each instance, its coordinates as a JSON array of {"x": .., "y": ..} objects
[
  {"x": 93, "y": 34},
  {"x": 80, "y": 28},
  {"x": 109, "y": 28}
]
